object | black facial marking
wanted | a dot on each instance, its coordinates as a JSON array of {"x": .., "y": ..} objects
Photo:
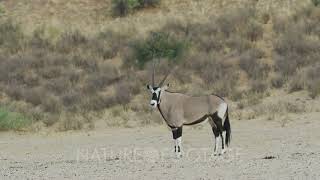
[{"x": 154, "y": 96}]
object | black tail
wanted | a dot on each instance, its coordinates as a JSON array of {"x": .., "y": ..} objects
[{"x": 227, "y": 128}]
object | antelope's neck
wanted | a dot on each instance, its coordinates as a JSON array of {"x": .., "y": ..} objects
[
  {"x": 164, "y": 98},
  {"x": 164, "y": 106}
]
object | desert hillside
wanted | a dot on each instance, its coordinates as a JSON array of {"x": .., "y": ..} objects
[{"x": 84, "y": 64}]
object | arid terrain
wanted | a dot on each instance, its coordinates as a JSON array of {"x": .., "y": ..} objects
[{"x": 259, "y": 150}]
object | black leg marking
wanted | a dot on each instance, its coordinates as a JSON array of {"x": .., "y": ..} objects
[
  {"x": 177, "y": 132},
  {"x": 219, "y": 128},
  {"x": 215, "y": 131},
  {"x": 216, "y": 134},
  {"x": 222, "y": 141}
]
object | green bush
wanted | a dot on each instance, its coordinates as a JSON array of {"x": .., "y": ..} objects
[
  {"x": 2, "y": 10},
  {"x": 124, "y": 7},
  {"x": 158, "y": 45},
  {"x": 316, "y": 2},
  {"x": 12, "y": 121},
  {"x": 149, "y": 3}
]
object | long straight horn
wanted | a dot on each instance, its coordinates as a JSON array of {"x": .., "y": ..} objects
[
  {"x": 165, "y": 77},
  {"x": 153, "y": 72}
]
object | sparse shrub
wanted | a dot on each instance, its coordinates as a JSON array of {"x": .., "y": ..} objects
[
  {"x": 14, "y": 91},
  {"x": 313, "y": 81},
  {"x": 277, "y": 81},
  {"x": 39, "y": 39},
  {"x": 254, "y": 99},
  {"x": 98, "y": 102},
  {"x": 314, "y": 89},
  {"x": 280, "y": 24},
  {"x": 265, "y": 18},
  {"x": 123, "y": 93},
  {"x": 12, "y": 37},
  {"x": 259, "y": 86},
  {"x": 97, "y": 81},
  {"x": 51, "y": 72},
  {"x": 71, "y": 40},
  {"x": 295, "y": 51},
  {"x": 34, "y": 95},
  {"x": 297, "y": 84},
  {"x": 71, "y": 99},
  {"x": 51, "y": 104},
  {"x": 238, "y": 44},
  {"x": 85, "y": 63},
  {"x": 108, "y": 43},
  {"x": 294, "y": 108},
  {"x": 71, "y": 122},
  {"x": 31, "y": 79},
  {"x": 295, "y": 46},
  {"x": 230, "y": 21},
  {"x": 73, "y": 76},
  {"x": 251, "y": 63},
  {"x": 236, "y": 21},
  {"x": 254, "y": 31},
  {"x": 241, "y": 104},
  {"x": 58, "y": 85}
]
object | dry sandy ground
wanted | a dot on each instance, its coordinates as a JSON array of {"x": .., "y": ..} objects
[{"x": 259, "y": 150}]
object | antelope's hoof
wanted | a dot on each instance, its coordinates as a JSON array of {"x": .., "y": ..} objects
[
  {"x": 223, "y": 151},
  {"x": 179, "y": 155}
]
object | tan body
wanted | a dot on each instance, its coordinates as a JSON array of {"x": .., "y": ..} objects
[{"x": 180, "y": 109}]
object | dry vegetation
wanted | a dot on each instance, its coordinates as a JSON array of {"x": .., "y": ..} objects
[{"x": 74, "y": 78}]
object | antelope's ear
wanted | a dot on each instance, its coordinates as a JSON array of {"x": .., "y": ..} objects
[
  {"x": 165, "y": 87},
  {"x": 149, "y": 87}
]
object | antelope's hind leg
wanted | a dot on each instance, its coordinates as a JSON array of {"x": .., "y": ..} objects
[
  {"x": 216, "y": 136},
  {"x": 217, "y": 128},
  {"x": 177, "y": 136}
]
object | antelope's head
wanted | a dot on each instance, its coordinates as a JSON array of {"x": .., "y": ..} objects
[
  {"x": 156, "y": 94},
  {"x": 156, "y": 90}
]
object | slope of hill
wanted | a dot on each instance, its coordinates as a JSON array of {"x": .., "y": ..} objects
[{"x": 69, "y": 64}]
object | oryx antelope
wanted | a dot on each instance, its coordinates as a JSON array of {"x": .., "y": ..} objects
[{"x": 179, "y": 109}]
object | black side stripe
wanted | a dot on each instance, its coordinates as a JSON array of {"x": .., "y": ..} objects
[{"x": 197, "y": 121}]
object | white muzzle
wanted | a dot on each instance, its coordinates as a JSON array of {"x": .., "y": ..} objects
[{"x": 153, "y": 103}]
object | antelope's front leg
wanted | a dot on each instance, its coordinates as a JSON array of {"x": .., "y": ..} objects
[{"x": 177, "y": 136}]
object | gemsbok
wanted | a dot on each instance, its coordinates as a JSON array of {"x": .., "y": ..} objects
[{"x": 179, "y": 109}]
